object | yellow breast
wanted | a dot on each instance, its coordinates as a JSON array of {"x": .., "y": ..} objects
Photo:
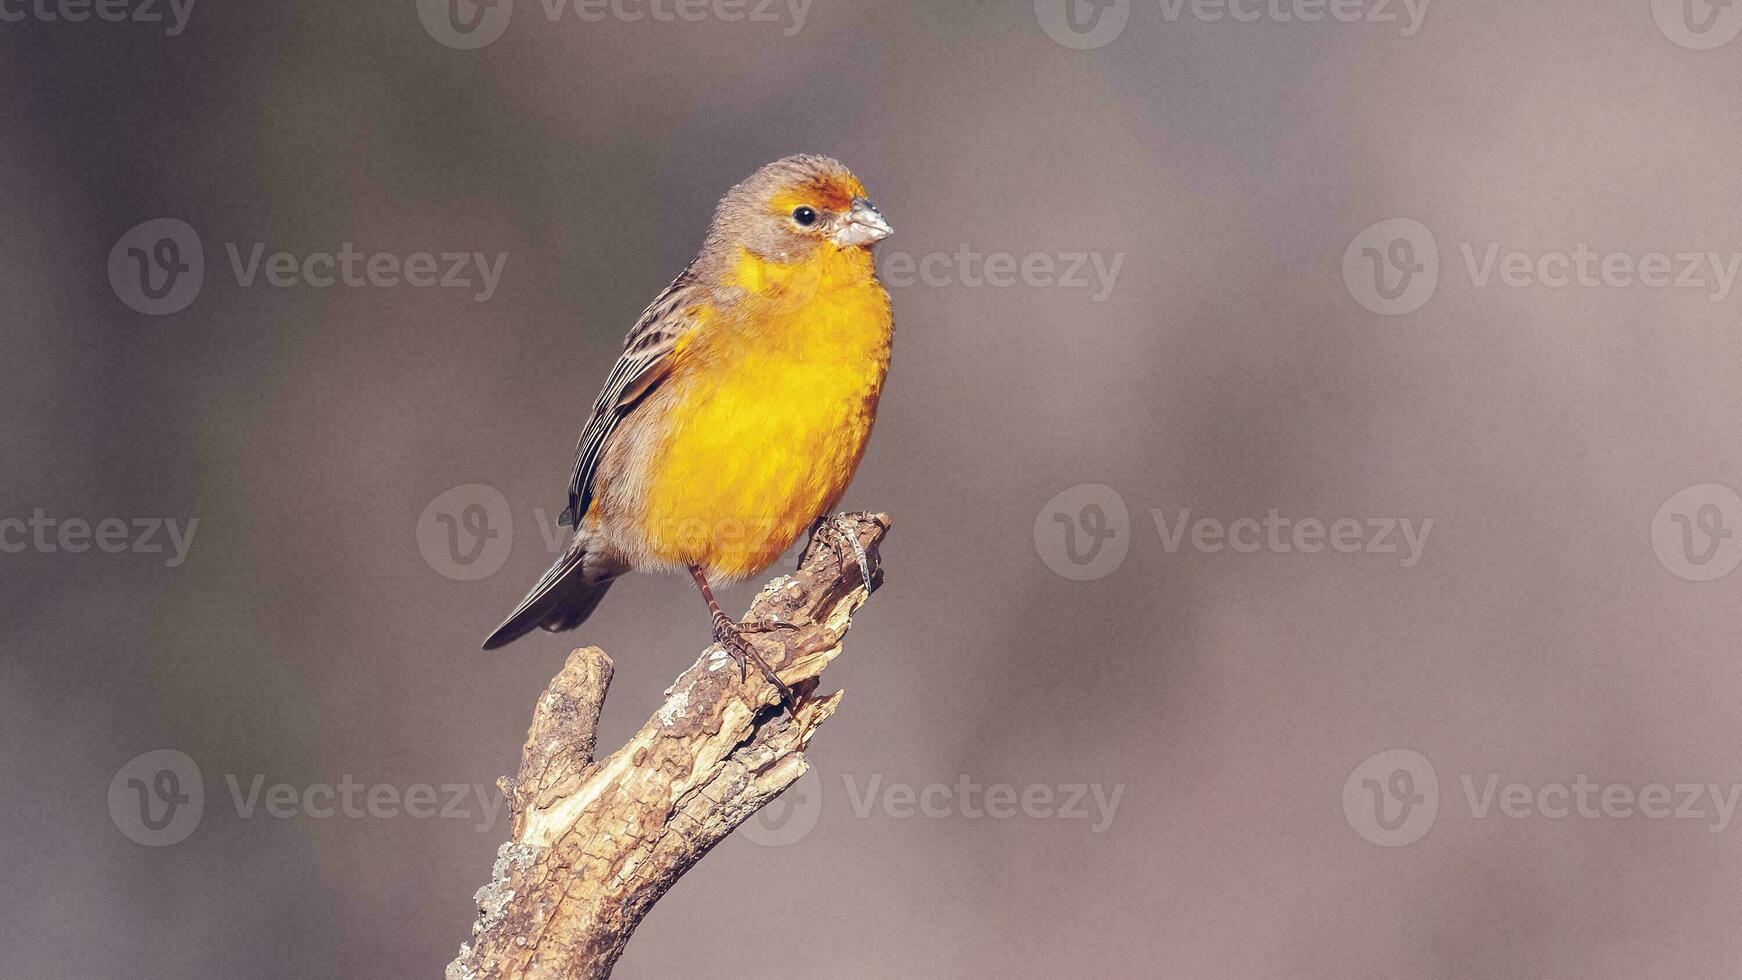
[{"x": 772, "y": 400}]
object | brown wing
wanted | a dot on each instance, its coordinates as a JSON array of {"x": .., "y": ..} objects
[{"x": 644, "y": 363}]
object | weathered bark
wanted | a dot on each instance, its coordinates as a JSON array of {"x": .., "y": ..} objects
[{"x": 595, "y": 844}]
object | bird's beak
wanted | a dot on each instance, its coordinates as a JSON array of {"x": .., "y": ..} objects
[{"x": 864, "y": 225}]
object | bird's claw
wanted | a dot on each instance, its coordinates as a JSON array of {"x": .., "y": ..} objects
[
  {"x": 730, "y": 637},
  {"x": 844, "y": 531},
  {"x": 767, "y": 624}
]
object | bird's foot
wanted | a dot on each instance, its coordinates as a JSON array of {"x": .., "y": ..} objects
[
  {"x": 841, "y": 531},
  {"x": 731, "y": 637}
]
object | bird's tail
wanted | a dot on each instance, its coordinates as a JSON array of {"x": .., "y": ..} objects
[{"x": 562, "y": 600}]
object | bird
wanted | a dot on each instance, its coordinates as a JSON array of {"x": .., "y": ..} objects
[{"x": 739, "y": 409}]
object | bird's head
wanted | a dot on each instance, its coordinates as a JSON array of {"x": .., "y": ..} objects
[{"x": 796, "y": 205}]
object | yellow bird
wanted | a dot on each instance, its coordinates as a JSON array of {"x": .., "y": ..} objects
[{"x": 740, "y": 407}]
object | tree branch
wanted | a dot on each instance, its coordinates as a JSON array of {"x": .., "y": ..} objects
[{"x": 595, "y": 844}]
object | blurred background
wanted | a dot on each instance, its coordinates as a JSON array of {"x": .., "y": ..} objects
[{"x": 1311, "y": 439}]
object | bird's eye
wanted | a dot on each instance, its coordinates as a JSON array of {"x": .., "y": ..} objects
[{"x": 804, "y": 216}]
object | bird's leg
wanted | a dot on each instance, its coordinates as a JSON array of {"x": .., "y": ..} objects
[
  {"x": 842, "y": 530},
  {"x": 730, "y": 636}
]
